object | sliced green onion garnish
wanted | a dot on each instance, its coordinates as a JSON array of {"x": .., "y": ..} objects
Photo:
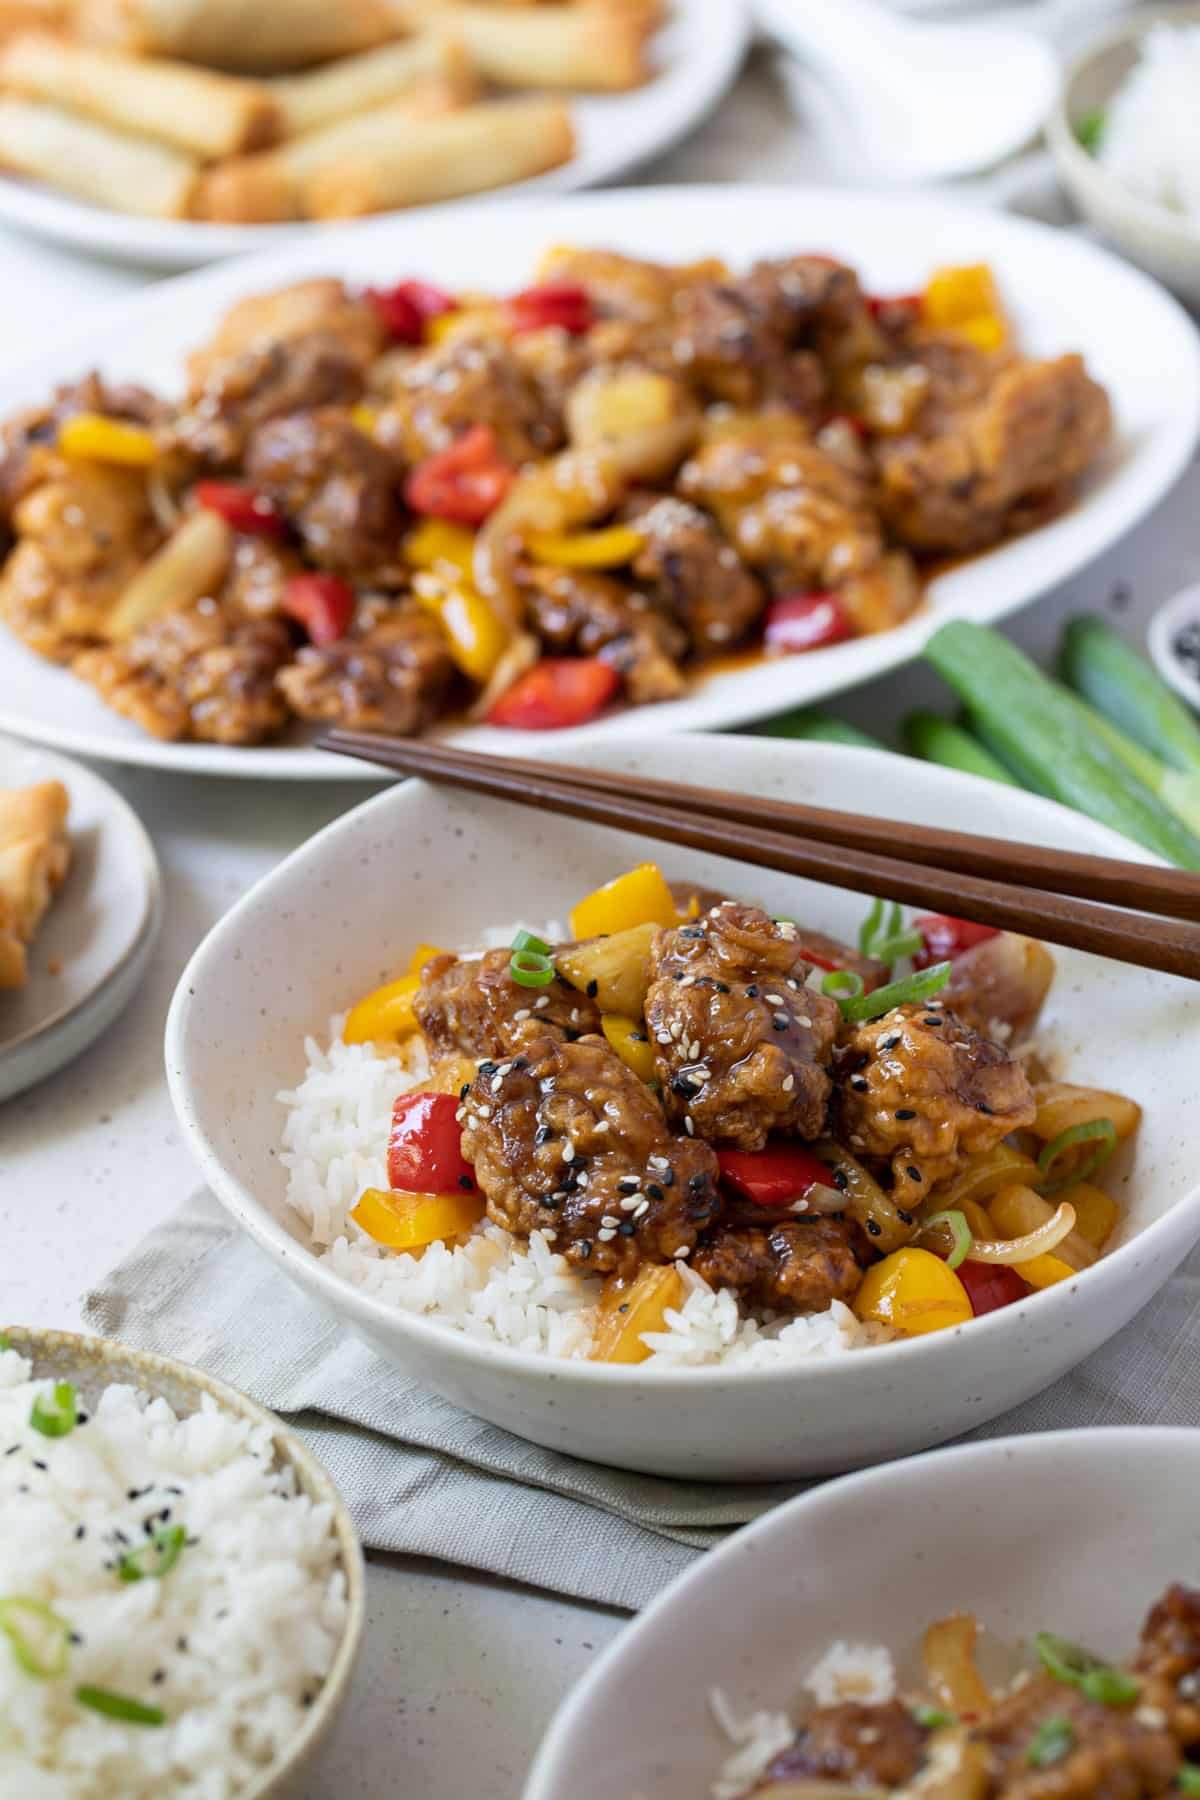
[
  {"x": 1188, "y": 1779},
  {"x": 842, "y": 984},
  {"x": 1078, "y": 1668},
  {"x": 885, "y": 938},
  {"x": 1089, "y": 129},
  {"x": 933, "y": 1718},
  {"x": 525, "y": 940},
  {"x": 919, "y": 986},
  {"x": 531, "y": 968},
  {"x": 53, "y": 1414},
  {"x": 959, "y": 1230},
  {"x": 40, "y": 1639},
  {"x": 153, "y": 1558},
  {"x": 1101, "y": 1132},
  {"x": 1053, "y": 1739},
  {"x": 871, "y": 927},
  {"x": 120, "y": 1706},
  {"x": 5, "y": 1341}
]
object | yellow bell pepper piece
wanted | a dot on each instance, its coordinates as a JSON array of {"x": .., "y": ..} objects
[
  {"x": 960, "y": 292},
  {"x": 365, "y": 418},
  {"x": 421, "y": 956},
  {"x": 987, "y": 332},
  {"x": 913, "y": 1291},
  {"x": 413, "y": 1221},
  {"x": 627, "y": 1309},
  {"x": 1045, "y": 1271},
  {"x": 93, "y": 438},
  {"x": 1096, "y": 1213},
  {"x": 484, "y": 319},
  {"x": 384, "y": 1015},
  {"x": 435, "y": 543},
  {"x": 475, "y": 637},
  {"x": 640, "y": 898},
  {"x": 628, "y": 1038},
  {"x": 606, "y": 549}
]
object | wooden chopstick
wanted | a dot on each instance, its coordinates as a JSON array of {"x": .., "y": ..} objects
[{"x": 685, "y": 818}]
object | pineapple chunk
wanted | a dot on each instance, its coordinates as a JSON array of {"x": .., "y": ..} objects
[{"x": 618, "y": 965}]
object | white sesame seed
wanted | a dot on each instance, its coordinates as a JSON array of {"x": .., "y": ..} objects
[
  {"x": 523, "y": 1014},
  {"x": 485, "y": 1112},
  {"x": 689, "y": 1124},
  {"x": 568, "y": 1151},
  {"x": 643, "y": 1206},
  {"x": 701, "y": 1072},
  {"x": 539, "y": 1004},
  {"x": 630, "y": 1202},
  {"x": 602, "y": 1125},
  {"x": 460, "y": 1115},
  {"x": 662, "y": 1037},
  {"x": 550, "y": 1236},
  {"x": 803, "y": 1019},
  {"x": 683, "y": 1254},
  {"x": 610, "y": 1223},
  {"x": 676, "y": 1028},
  {"x": 790, "y": 982},
  {"x": 688, "y": 981},
  {"x": 774, "y": 999},
  {"x": 606, "y": 1236},
  {"x": 504, "y": 1069},
  {"x": 659, "y": 1162},
  {"x": 582, "y": 1178},
  {"x": 789, "y": 1082},
  {"x": 497, "y": 1083}
]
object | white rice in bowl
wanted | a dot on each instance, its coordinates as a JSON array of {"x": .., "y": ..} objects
[
  {"x": 1150, "y": 139},
  {"x": 224, "y": 1650},
  {"x": 493, "y": 1286}
]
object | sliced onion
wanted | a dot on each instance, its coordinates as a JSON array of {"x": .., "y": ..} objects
[
  {"x": 821, "y": 1199},
  {"x": 516, "y": 660},
  {"x": 163, "y": 504},
  {"x": 1035, "y": 1243}
]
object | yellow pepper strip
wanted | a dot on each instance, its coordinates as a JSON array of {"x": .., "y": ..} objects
[
  {"x": 482, "y": 320},
  {"x": 475, "y": 637},
  {"x": 1045, "y": 1271},
  {"x": 436, "y": 543},
  {"x": 987, "y": 332},
  {"x": 384, "y": 1015},
  {"x": 606, "y": 549},
  {"x": 914, "y": 1292},
  {"x": 92, "y": 437},
  {"x": 627, "y": 1309},
  {"x": 966, "y": 301},
  {"x": 421, "y": 955},
  {"x": 365, "y": 418},
  {"x": 412, "y": 1221},
  {"x": 641, "y": 897},
  {"x": 628, "y": 1038},
  {"x": 1096, "y": 1213}
]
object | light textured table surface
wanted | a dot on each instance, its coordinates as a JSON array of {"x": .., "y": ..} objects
[{"x": 459, "y": 1675}]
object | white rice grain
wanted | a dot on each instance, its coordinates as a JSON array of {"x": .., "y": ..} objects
[{"x": 1151, "y": 134}]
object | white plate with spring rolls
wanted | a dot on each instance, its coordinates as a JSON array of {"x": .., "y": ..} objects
[
  {"x": 1135, "y": 338},
  {"x": 173, "y": 164},
  {"x": 80, "y": 909}
]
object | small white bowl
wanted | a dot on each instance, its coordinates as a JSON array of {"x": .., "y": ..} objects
[
  {"x": 1162, "y": 242},
  {"x": 93, "y": 1364},
  {"x": 420, "y": 863},
  {"x": 1040, "y": 1533},
  {"x": 1176, "y": 616}
]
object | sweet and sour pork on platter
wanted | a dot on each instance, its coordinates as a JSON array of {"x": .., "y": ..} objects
[{"x": 389, "y": 507}]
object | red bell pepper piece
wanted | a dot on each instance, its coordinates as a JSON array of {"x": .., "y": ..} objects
[
  {"x": 946, "y": 938},
  {"x": 242, "y": 507},
  {"x": 806, "y": 622},
  {"x": 464, "y": 483},
  {"x": 774, "y": 1176},
  {"x": 425, "y": 1148},
  {"x": 991, "y": 1285},
  {"x": 897, "y": 309},
  {"x": 323, "y": 604},
  {"x": 557, "y": 692},
  {"x": 407, "y": 308},
  {"x": 561, "y": 303}
]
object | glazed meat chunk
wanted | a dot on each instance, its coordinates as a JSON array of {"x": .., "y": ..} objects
[
  {"x": 472, "y": 1006},
  {"x": 741, "y": 1045},
  {"x": 321, "y": 305},
  {"x": 336, "y": 486},
  {"x": 444, "y": 391},
  {"x": 83, "y": 533},
  {"x": 27, "y": 438},
  {"x": 998, "y": 987},
  {"x": 698, "y": 577},
  {"x": 265, "y": 381},
  {"x": 1116, "y": 1753},
  {"x": 733, "y": 341},
  {"x": 595, "y": 615},
  {"x": 201, "y": 671},
  {"x": 878, "y": 1746},
  {"x": 391, "y": 672},
  {"x": 1168, "y": 1661},
  {"x": 788, "y": 1265},
  {"x": 623, "y": 287},
  {"x": 972, "y": 474},
  {"x": 564, "y": 1138},
  {"x": 924, "y": 1091}
]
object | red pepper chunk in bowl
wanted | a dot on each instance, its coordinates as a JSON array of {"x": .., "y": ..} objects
[{"x": 425, "y": 1148}]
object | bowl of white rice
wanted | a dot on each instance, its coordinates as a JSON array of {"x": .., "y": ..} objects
[
  {"x": 181, "y": 1589},
  {"x": 826, "y": 1601},
  {"x": 1126, "y": 137},
  {"x": 289, "y": 1126}
]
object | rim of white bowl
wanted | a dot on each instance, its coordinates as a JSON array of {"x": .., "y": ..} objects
[
  {"x": 1183, "y": 608},
  {"x": 342, "y": 1296}
]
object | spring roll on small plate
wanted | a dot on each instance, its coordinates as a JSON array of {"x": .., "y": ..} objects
[
  {"x": 209, "y": 115},
  {"x": 357, "y": 84},
  {"x": 109, "y": 168},
  {"x": 465, "y": 152},
  {"x": 250, "y": 35},
  {"x": 594, "y": 45}
]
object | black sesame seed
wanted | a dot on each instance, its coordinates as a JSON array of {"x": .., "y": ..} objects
[
  {"x": 668, "y": 1178},
  {"x": 678, "y": 975},
  {"x": 23, "y": 1487},
  {"x": 752, "y": 991},
  {"x": 627, "y": 1228},
  {"x": 905, "y": 1112},
  {"x": 82, "y": 1418},
  {"x": 780, "y": 1021},
  {"x": 39, "y": 1464},
  {"x": 542, "y": 1135},
  {"x": 905, "y": 1218},
  {"x": 181, "y": 1645},
  {"x": 841, "y": 1180},
  {"x": 914, "y": 1174},
  {"x": 488, "y": 1068},
  {"x": 81, "y": 1531},
  {"x": 173, "y": 1490},
  {"x": 74, "y": 1637},
  {"x": 165, "y": 1514},
  {"x": 585, "y": 1248},
  {"x": 698, "y": 1183},
  {"x": 466, "y": 1184},
  {"x": 654, "y": 1191},
  {"x": 592, "y": 989},
  {"x": 464, "y": 1090},
  {"x": 570, "y": 1035},
  {"x": 191, "y": 1544},
  {"x": 983, "y": 1107},
  {"x": 148, "y": 1525},
  {"x": 136, "y": 1493},
  {"x": 722, "y": 987},
  {"x": 307, "y": 1699},
  {"x": 120, "y": 1536},
  {"x": 874, "y": 1227},
  {"x": 638, "y": 1037},
  {"x": 624, "y": 1306},
  {"x": 859, "y": 1083},
  {"x": 692, "y": 932},
  {"x": 519, "y": 1063},
  {"x": 628, "y": 1184},
  {"x": 931, "y": 1020},
  {"x": 12, "y": 1449},
  {"x": 685, "y": 1086},
  {"x": 158, "y": 1677},
  {"x": 889, "y": 1043}
]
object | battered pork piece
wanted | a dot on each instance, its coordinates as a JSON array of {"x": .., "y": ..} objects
[
  {"x": 698, "y": 576},
  {"x": 444, "y": 391},
  {"x": 1114, "y": 1753},
  {"x": 266, "y": 381},
  {"x": 924, "y": 1091},
  {"x": 880, "y": 1746},
  {"x": 787, "y": 1265},
  {"x": 564, "y": 1138},
  {"x": 472, "y": 1006},
  {"x": 336, "y": 486},
  {"x": 392, "y": 672},
  {"x": 741, "y": 1045},
  {"x": 594, "y": 615}
]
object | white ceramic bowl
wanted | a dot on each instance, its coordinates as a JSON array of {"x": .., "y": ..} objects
[
  {"x": 93, "y": 1364},
  {"x": 1164, "y": 243},
  {"x": 344, "y": 912},
  {"x": 1036, "y": 1533}
]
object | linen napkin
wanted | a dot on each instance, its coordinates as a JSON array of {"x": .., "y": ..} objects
[{"x": 424, "y": 1478}]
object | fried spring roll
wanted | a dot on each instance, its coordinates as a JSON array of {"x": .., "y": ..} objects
[
  {"x": 357, "y": 84},
  {"x": 249, "y": 35},
  {"x": 272, "y": 185},
  {"x": 466, "y": 152},
  {"x": 593, "y": 45},
  {"x": 210, "y": 115},
  {"x": 109, "y": 168}
]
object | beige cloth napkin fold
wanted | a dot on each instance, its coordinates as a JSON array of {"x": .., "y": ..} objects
[{"x": 422, "y": 1477}]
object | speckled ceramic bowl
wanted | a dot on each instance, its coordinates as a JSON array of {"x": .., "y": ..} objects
[
  {"x": 95, "y": 1363},
  {"x": 1043, "y": 1533},
  {"x": 423, "y": 864},
  {"x": 1163, "y": 243}
]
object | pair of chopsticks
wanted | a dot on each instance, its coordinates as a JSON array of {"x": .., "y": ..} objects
[{"x": 1059, "y": 895}]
